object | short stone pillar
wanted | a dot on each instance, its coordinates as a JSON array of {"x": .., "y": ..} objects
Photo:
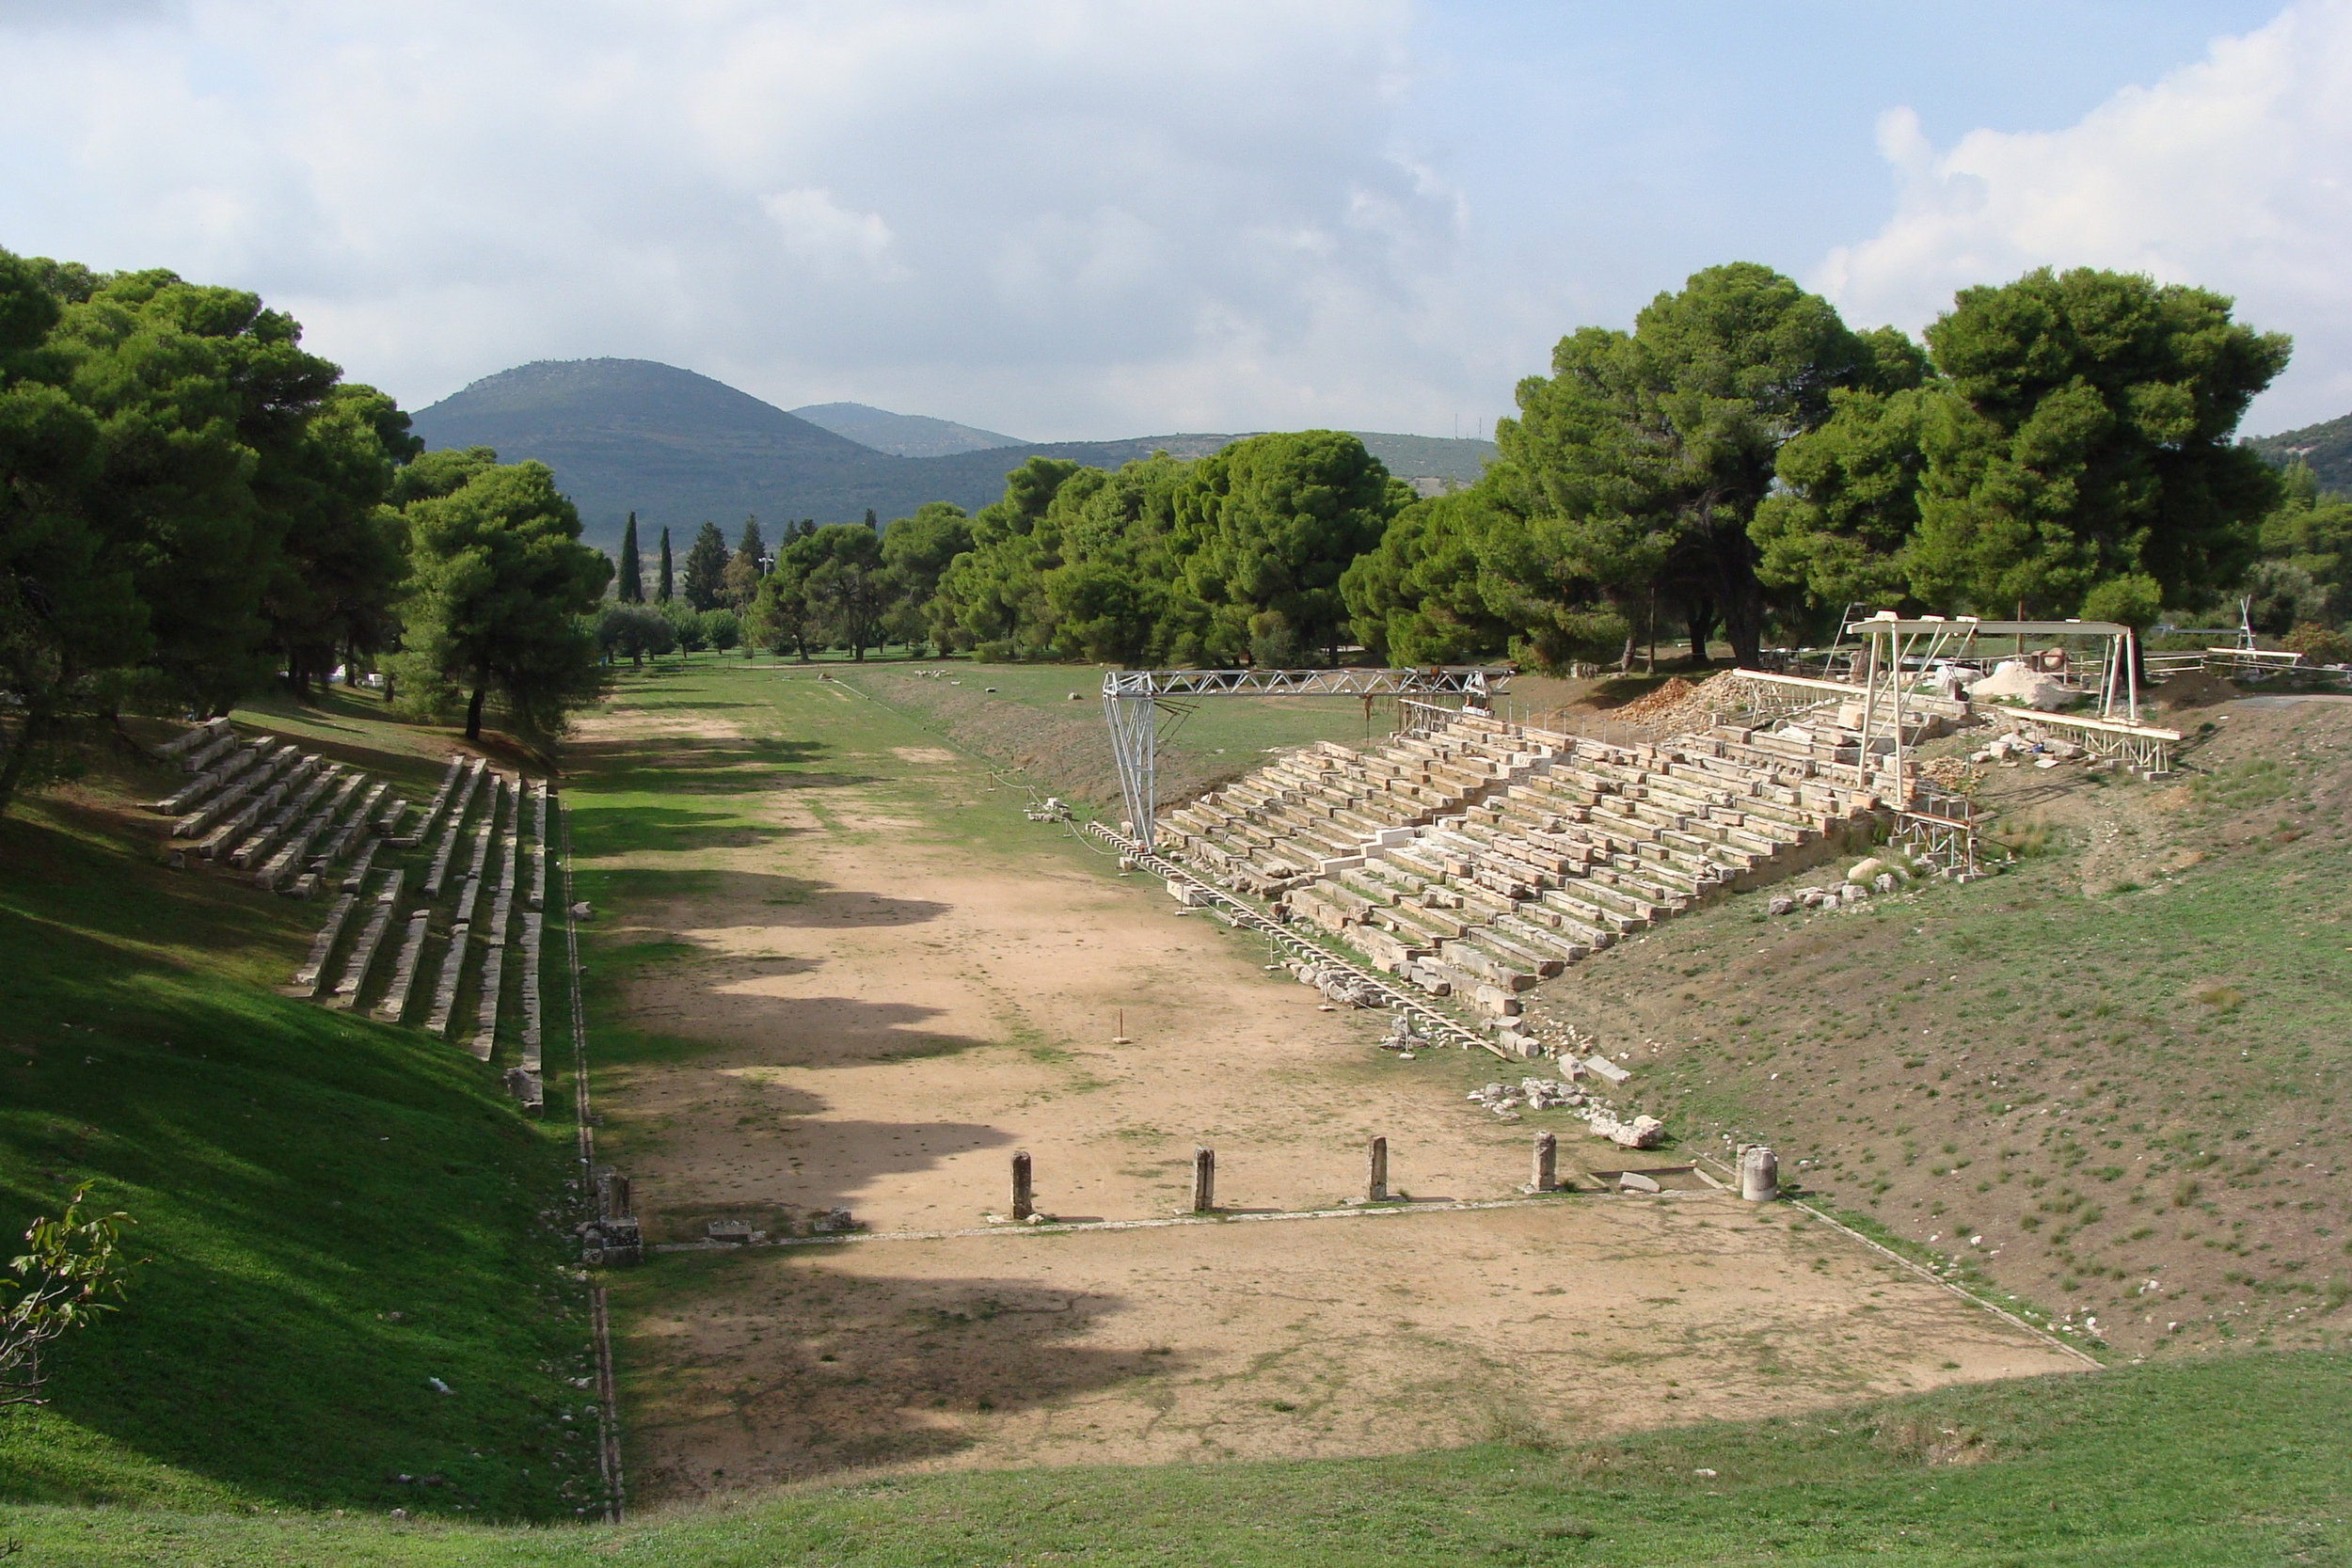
[
  {"x": 617, "y": 1198},
  {"x": 1546, "y": 1178},
  {"x": 1204, "y": 1179},
  {"x": 1760, "y": 1174},
  {"x": 1376, "y": 1171},
  {"x": 1024, "y": 1187}
]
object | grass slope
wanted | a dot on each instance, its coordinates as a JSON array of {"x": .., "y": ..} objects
[
  {"x": 2126, "y": 1060},
  {"x": 2183, "y": 1466},
  {"x": 331, "y": 1211}
]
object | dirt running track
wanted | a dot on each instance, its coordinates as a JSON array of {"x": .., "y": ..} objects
[{"x": 881, "y": 990}]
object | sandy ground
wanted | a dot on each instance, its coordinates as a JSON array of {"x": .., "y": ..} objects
[
  {"x": 883, "y": 1013},
  {"x": 1291, "y": 1339}
]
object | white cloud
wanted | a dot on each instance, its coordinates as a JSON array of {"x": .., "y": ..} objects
[
  {"x": 839, "y": 244},
  {"x": 2233, "y": 173},
  {"x": 1062, "y": 217}
]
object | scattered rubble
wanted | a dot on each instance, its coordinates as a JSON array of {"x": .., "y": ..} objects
[
  {"x": 2014, "y": 682},
  {"x": 1678, "y": 705},
  {"x": 1536, "y": 1094},
  {"x": 1055, "y": 810},
  {"x": 1337, "y": 982}
]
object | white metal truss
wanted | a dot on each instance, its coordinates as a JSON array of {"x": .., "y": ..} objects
[
  {"x": 1131, "y": 700},
  {"x": 1897, "y": 646}
]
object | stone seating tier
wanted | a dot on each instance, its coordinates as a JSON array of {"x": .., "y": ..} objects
[{"x": 1544, "y": 850}]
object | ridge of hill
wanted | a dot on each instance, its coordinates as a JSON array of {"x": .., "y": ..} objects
[
  {"x": 902, "y": 435},
  {"x": 679, "y": 449},
  {"x": 2326, "y": 447}
]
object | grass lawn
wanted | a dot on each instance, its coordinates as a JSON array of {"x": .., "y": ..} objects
[
  {"x": 2220, "y": 1461},
  {"x": 330, "y": 1212}
]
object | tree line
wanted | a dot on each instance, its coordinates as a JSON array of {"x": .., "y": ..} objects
[
  {"x": 192, "y": 506},
  {"x": 1738, "y": 466}
]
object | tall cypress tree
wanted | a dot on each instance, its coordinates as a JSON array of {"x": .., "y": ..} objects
[
  {"x": 871, "y": 526},
  {"x": 662, "y": 594},
  {"x": 632, "y": 588}
]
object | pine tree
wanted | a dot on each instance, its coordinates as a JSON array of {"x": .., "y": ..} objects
[
  {"x": 706, "y": 569},
  {"x": 662, "y": 594},
  {"x": 632, "y": 588},
  {"x": 742, "y": 581}
]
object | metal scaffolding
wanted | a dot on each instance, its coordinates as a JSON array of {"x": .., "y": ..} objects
[
  {"x": 1132, "y": 701},
  {"x": 1904, "y": 652}
]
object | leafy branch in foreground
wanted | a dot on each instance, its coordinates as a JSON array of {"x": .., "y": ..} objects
[{"x": 73, "y": 1263}]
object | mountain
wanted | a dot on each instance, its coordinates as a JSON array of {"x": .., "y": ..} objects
[
  {"x": 901, "y": 435},
  {"x": 2328, "y": 447},
  {"x": 679, "y": 449}
]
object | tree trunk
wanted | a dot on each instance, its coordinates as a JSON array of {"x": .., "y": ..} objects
[
  {"x": 21, "y": 756},
  {"x": 473, "y": 713},
  {"x": 1701, "y": 615}
]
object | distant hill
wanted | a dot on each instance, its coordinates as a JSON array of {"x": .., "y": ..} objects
[
  {"x": 2328, "y": 447},
  {"x": 901, "y": 435},
  {"x": 678, "y": 449}
]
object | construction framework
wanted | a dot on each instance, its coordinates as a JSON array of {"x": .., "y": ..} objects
[
  {"x": 1897, "y": 646},
  {"x": 1133, "y": 698}
]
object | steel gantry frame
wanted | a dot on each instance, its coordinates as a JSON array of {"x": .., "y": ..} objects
[
  {"x": 1132, "y": 701},
  {"x": 1896, "y": 643}
]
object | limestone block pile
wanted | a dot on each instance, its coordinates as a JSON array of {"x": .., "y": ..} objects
[
  {"x": 1307, "y": 814},
  {"x": 307, "y": 978},
  {"x": 435, "y": 807},
  {"x": 1570, "y": 845},
  {"x": 444, "y": 1003},
  {"x": 293, "y": 853},
  {"x": 539, "y": 846},
  {"x": 445, "y": 817},
  {"x": 487, "y": 1005},
  {"x": 1336, "y": 983},
  {"x": 235, "y": 763},
  {"x": 186, "y": 744},
  {"x": 309, "y": 780},
  {"x": 1536, "y": 1094},
  {"x": 394, "y": 1006},
  {"x": 241, "y": 778},
  {"x": 362, "y": 959}
]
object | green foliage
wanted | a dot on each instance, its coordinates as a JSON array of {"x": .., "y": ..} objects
[
  {"x": 501, "y": 589},
  {"x": 1648, "y": 452},
  {"x": 1849, "y": 504},
  {"x": 846, "y": 586},
  {"x": 2087, "y": 436},
  {"x": 631, "y": 588},
  {"x": 685, "y": 626},
  {"x": 71, "y": 1265},
  {"x": 706, "y": 569},
  {"x": 1467, "y": 576},
  {"x": 1266, "y": 528},
  {"x": 739, "y": 582},
  {"x": 189, "y": 502},
  {"x": 663, "y": 587},
  {"x": 2320, "y": 644},
  {"x": 2309, "y": 534},
  {"x": 632, "y": 631}
]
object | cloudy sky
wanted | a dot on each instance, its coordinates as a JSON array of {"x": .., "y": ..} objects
[{"x": 1086, "y": 218}]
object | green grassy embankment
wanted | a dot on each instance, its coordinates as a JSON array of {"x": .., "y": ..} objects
[
  {"x": 330, "y": 1212},
  {"x": 2216, "y": 1463},
  {"x": 2115, "y": 1079}
]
